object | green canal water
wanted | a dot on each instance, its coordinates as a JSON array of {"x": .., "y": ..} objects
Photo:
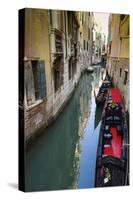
[{"x": 64, "y": 155}]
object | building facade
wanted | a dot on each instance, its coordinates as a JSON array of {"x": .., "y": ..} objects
[
  {"x": 86, "y": 20},
  {"x": 65, "y": 64},
  {"x": 54, "y": 49},
  {"x": 37, "y": 71},
  {"x": 97, "y": 44},
  {"x": 118, "y": 54}
]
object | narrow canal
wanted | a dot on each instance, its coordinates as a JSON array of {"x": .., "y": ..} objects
[{"x": 64, "y": 155}]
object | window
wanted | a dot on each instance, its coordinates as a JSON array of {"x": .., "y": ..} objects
[
  {"x": 84, "y": 44},
  {"x": 75, "y": 51},
  {"x": 87, "y": 46},
  {"x": 58, "y": 44},
  {"x": 88, "y": 33},
  {"x": 69, "y": 19},
  {"x": 75, "y": 30},
  {"x": 58, "y": 73},
  {"x": 35, "y": 82},
  {"x": 72, "y": 67},
  {"x": 120, "y": 71},
  {"x": 39, "y": 79},
  {"x": 125, "y": 78},
  {"x": 110, "y": 47},
  {"x": 51, "y": 20},
  {"x": 29, "y": 83},
  {"x": 82, "y": 18}
]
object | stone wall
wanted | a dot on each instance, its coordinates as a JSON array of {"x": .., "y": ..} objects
[{"x": 35, "y": 117}]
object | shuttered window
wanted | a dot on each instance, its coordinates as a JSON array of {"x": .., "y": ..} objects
[
  {"x": 29, "y": 83},
  {"x": 38, "y": 67},
  {"x": 58, "y": 73}
]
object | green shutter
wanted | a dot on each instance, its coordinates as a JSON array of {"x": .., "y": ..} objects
[{"x": 41, "y": 79}]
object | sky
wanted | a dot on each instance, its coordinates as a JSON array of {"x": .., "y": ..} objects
[{"x": 102, "y": 20}]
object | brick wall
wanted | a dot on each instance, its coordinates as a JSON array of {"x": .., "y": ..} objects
[{"x": 35, "y": 118}]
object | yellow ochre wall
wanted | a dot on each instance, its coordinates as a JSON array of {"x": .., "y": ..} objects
[
  {"x": 37, "y": 45},
  {"x": 120, "y": 38}
]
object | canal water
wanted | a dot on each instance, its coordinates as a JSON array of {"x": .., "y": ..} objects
[{"x": 64, "y": 155}]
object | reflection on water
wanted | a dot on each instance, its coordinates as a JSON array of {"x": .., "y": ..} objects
[
  {"x": 98, "y": 113},
  {"x": 64, "y": 155}
]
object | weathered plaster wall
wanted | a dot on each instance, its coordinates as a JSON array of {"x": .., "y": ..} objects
[
  {"x": 40, "y": 44},
  {"x": 37, "y": 46}
]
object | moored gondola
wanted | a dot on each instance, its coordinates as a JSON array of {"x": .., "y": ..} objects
[
  {"x": 112, "y": 156},
  {"x": 103, "y": 90}
]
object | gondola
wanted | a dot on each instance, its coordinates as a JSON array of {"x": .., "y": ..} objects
[
  {"x": 90, "y": 69},
  {"x": 102, "y": 93},
  {"x": 112, "y": 153}
]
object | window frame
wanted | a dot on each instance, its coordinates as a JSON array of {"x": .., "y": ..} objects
[
  {"x": 125, "y": 77},
  {"x": 34, "y": 68}
]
